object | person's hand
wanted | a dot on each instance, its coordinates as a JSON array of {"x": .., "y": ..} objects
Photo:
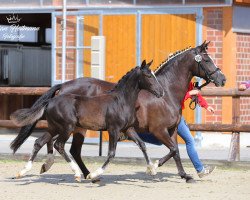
[
  {"x": 210, "y": 109},
  {"x": 194, "y": 92},
  {"x": 242, "y": 87}
]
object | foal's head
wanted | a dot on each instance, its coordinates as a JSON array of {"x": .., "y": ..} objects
[
  {"x": 148, "y": 80},
  {"x": 205, "y": 67}
]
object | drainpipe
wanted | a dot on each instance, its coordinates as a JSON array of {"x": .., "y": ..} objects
[{"x": 64, "y": 40}]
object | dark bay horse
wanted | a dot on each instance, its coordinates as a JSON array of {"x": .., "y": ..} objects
[
  {"x": 113, "y": 111},
  {"x": 156, "y": 116}
]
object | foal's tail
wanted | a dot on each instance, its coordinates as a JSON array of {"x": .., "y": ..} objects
[
  {"x": 28, "y": 117},
  {"x": 24, "y": 133}
]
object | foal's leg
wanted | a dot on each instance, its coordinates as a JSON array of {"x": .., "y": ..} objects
[
  {"x": 151, "y": 168},
  {"x": 75, "y": 150},
  {"x": 39, "y": 143},
  {"x": 50, "y": 157},
  {"x": 59, "y": 146},
  {"x": 113, "y": 138}
]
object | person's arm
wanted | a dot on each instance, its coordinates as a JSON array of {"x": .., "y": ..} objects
[
  {"x": 203, "y": 103},
  {"x": 244, "y": 85}
]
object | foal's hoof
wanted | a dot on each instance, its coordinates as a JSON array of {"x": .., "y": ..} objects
[
  {"x": 151, "y": 171},
  {"x": 156, "y": 164},
  {"x": 95, "y": 174},
  {"x": 78, "y": 179},
  {"x": 18, "y": 176},
  {"x": 43, "y": 169}
]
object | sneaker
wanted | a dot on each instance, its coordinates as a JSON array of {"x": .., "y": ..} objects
[{"x": 206, "y": 171}]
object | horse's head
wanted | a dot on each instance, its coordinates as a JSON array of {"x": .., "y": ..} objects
[
  {"x": 205, "y": 67},
  {"x": 148, "y": 80}
]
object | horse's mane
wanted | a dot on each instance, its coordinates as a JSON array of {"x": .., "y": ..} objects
[
  {"x": 124, "y": 78},
  {"x": 170, "y": 58}
]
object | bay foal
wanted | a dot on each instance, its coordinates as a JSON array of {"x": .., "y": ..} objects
[{"x": 113, "y": 111}]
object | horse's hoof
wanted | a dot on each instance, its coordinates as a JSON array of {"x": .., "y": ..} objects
[
  {"x": 96, "y": 180},
  {"x": 190, "y": 180},
  {"x": 78, "y": 179}
]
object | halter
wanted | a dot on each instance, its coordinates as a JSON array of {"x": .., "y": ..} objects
[
  {"x": 208, "y": 75},
  {"x": 208, "y": 79}
]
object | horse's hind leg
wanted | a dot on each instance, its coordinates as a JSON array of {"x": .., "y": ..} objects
[
  {"x": 75, "y": 150},
  {"x": 177, "y": 159},
  {"x": 174, "y": 152},
  {"x": 151, "y": 168},
  {"x": 39, "y": 143},
  {"x": 59, "y": 146},
  {"x": 113, "y": 138}
]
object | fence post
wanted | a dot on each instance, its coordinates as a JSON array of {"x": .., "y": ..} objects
[{"x": 234, "y": 151}]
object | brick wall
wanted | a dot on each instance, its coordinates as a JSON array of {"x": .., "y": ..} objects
[
  {"x": 70, "y": 53},
  {"x": 212, "y": 31},
  {"x": 243, "y": 72}
]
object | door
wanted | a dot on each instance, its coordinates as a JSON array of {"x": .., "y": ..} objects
[{"x": 163, "y": 34}]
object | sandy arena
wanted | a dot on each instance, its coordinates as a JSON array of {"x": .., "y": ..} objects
[{"x": 122, "y": 181}]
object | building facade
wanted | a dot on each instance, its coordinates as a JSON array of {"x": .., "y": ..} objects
[{"x": 134, "y": 30}]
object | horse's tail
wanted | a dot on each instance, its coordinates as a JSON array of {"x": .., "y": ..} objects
[{"x": 28, "y": 117}]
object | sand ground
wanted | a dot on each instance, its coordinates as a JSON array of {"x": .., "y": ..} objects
[{"x": 122, "y": 181}]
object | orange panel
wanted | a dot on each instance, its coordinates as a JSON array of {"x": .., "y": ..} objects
[
  {"x": 120, "y": 33},
  {"x": 165, "y": 34}
]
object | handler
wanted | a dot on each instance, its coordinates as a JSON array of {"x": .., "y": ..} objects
[{"x": 185, "y": 134}]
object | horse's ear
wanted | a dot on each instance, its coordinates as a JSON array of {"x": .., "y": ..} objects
[
  {"x": 148, "y": 65},
  {"x": 204, "y": 45},
  {"x": 143, "y": 64},
  {"x": 207, "y": 44}
]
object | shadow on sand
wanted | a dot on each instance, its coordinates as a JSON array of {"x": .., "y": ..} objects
[{"x": 106, "y": 179}]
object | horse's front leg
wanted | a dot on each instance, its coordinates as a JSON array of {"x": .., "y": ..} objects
[
  {"x": 151, "y": 168},
  {"x": 164, "y": 136},
  {"x": 113, "y": 138}
]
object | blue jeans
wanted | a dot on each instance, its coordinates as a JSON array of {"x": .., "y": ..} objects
[{"x": 185, "y": 134}]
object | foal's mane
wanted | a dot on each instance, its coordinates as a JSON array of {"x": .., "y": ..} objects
[
  {"x": 170, "y": 58},
  {"x": 124, "y": 79}
]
